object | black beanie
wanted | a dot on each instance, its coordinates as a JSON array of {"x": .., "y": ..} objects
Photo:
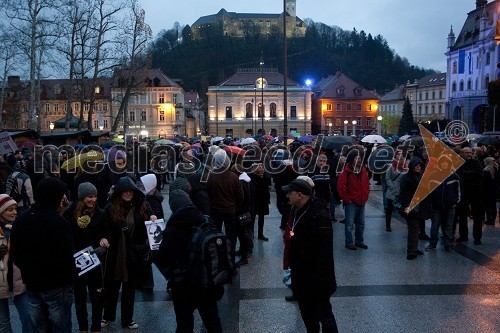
[{"x": 50, "y": 192}]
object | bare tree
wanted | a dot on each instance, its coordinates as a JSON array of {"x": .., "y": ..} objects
[
  {"x": 8, "y": 56},
  {"x": 33, "y": 21},
  {"x": 134, "y": 44}
]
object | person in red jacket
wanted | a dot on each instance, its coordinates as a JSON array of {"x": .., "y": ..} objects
[{"x": 354, "y": 187}]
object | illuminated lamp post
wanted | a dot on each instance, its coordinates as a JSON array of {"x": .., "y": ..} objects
[
  {"x": 354, "y": 122},
  {"x": 345, "y": 127}
]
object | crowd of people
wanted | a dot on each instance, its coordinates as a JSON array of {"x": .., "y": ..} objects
[{"x": 105, "y": 205}]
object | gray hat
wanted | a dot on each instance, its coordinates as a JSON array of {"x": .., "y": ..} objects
[
  {"x": 86, "y": 190},
  {"x": 180, "y": 183},
  {"x": 178, "y": 199}
]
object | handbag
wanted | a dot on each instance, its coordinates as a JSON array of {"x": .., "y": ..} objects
[{"x": 244, "y": 219}]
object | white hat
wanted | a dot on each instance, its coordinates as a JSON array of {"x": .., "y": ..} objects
[
  {"x": 6, "y": 202},
  {"x": 307, "y": 179},
  {"x": 149, "y": 181}
]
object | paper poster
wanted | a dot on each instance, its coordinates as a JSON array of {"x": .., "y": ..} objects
[
  {"x": 86, "y": 260},
  {"x": 155, "y": 233}
]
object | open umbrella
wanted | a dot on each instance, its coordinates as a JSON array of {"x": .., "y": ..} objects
[
  {"x": 234, "y": 150},
  {"x": 336, "y": 142},
  {"x": 247, "y": 141},
  {"x": 289, "y": 136},
  {"x": 489, "y": 140},
  {"x": 164, "y": 142},
  {"x": 26, "y": 144},
  {"x": 374, "y": 138},
  {"x": 416, "y": 140},
  {"x": 78, "y": 160},
  {"x": 268, "y": 137},
  {"x": 404, "y": 137},
  {"x": 118, "y": 140},
  {"x": 107, "y": 144},
  {"x": 305, "y": 138},
  {"x": 215, "y": 139}
]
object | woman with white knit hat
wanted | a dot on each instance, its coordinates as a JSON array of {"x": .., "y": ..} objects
[{"x": 11, "y": 284}]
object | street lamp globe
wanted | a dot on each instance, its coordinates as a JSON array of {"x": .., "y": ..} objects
[
  {"x": 346, "y": 122},
  {"x": 354, "y": 122},
  {"x": 51, "y": 126},
  {"x": 101, "y": 127},
  {"x": 379, "y": 118}
]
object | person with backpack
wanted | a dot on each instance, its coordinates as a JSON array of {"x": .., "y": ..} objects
[
  {"x": 175, "y": 260},
  {"x": 19, "y": 188}
]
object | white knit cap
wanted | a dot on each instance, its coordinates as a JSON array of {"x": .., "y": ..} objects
[
  {"x": 6, "y": 202},
  {"x": 149, "y": 182}
]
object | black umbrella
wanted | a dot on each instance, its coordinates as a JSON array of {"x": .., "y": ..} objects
[
  {"x": 489, "y": 140},
  {"x": 336, "y": 142}
]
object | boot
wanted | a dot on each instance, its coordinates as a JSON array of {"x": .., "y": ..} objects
[{"x": 388, "y": 224}]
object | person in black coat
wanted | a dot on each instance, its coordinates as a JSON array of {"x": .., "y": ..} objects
[
  {"x": 41, "y": 231},
  {"x": 470, "y": 173},
  {"x": 261, "y": 183},
  {"x": 126, "y": 213},
  {"x": 311, "y": 257},
  {"x": 88, "y": 223},
  {"x": 417, "y": 216},
  {"x": 173, "y": 260},
  {"x": 489, "y": 189}
]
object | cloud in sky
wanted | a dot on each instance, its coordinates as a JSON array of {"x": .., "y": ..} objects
[{"x": 416, "y": 30}]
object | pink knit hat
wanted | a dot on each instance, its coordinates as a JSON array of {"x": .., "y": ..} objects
[{"x": 6, "y": 202}]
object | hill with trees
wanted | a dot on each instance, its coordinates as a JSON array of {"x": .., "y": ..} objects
[{"x": 325, "y": 49}]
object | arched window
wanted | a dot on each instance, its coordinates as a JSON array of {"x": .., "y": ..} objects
[
  {"x": 272, "y": 110},
  {"x": 454, "y": 87},
  {"x": 486, "y": 82},
  {"x": 461, "y": 87},
  {"x": 440, "y": 109},
  {"x": 433, "y": 109},
  {"x": 469, "y": 84},
  {"x": 426, "y": 109},
  {"x": 454, "y": 67},
  {"x": 249, "y": 110},
  {"x": 261, "y": 110}
]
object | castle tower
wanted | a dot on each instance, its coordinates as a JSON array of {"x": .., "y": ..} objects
[
  {"x": 451, "y": 38},
  {"x": 291, "y": 7}
]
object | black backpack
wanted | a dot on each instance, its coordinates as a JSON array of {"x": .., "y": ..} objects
[{"x": 210, "y": 259}]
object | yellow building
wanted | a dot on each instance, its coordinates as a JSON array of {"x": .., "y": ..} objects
[{"x": 248, "y": 101}]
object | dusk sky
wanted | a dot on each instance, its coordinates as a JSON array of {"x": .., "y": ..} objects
[{"x": 416, "y": 30}]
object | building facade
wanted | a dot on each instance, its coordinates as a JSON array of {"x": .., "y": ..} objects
[
  {"x": 155, "y": 107},
  {"x": 428, "y": 97},
  {"x": 391, "y": 104},
  {"x": 56, "y": 96},
  {"x": 472, "y": 62},
  {"x": 241, "y": 25},
  {"x": 252, "y": 100},
  {"x": 338, "y": 99}
]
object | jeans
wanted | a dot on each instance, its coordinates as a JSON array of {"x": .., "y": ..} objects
[
  {"x": 21, "y": 304},
  {"x": 332, "y": 206},
  {"x": 443, "y": 218},
  {"x": 50, "y": 311},
  {"x": 354, "y": 214}
]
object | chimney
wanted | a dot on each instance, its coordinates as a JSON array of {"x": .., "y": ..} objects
[{"x": 481, "y": 3}]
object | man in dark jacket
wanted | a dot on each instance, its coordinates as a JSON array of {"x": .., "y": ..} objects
[
  {"x": 173, "y": 261},
  {"x": 321, "y": 179},
  {"x": 42, "y": 247},
  {"x": 470, "y": 173},
  {"x": 445, "y": 198},
  {"x": 311, "y": 257}
]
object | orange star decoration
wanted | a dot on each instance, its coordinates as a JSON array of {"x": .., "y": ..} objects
[{"x": 442, "y": 162}]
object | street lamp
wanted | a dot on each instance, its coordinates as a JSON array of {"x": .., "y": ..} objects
[
  {"x": 101, "y": 127},
  {"x": 354, "y": 122},
  {"x": 330, "y": 128},
  {"x": 379, "y": 125},
  {"x": 51, "y": 126},
  {"x": 345, "y": 127}
]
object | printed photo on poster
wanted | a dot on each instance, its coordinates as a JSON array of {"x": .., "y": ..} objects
[
  {"x": 155, "y": 233},
  {"x": 86, "y": 260}
]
